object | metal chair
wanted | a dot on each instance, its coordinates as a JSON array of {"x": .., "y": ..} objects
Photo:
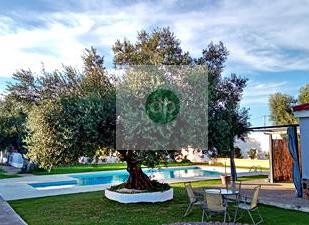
[
  {"x": 193, "y": 199},
  {"x": 214, "y": 204},
  {"x": 250, "y": 207}
]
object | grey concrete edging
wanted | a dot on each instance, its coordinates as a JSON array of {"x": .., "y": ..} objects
[
  {"x": 285, "y": 206},
  {"x": 8, "y": 216}
]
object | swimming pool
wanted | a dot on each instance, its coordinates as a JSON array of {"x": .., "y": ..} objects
[{"x": 114, "y": 177}]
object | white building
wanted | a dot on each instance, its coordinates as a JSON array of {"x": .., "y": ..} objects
[{"x": 302, "y": 112}]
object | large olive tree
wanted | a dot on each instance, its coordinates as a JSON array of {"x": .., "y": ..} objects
[{"x": 226, "y": 119}]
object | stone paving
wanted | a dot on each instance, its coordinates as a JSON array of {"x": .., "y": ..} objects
[
  {"x": 8, "y": 216},
  {"x": 10, "y": 170},
  {"x": 281, "y": 195}
]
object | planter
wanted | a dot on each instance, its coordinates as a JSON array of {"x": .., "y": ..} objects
[
  {"x": 225, "y": 179},
  {"x": 140, "y": 197}
]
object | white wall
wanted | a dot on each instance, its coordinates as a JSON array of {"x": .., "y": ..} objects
[
  {"x": 193, "y": 155},
  {"x": 258, "y": 140},
  {"x": 304, "y": 141}
]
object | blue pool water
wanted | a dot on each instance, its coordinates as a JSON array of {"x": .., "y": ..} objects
[{"x": 114, "y": 177}]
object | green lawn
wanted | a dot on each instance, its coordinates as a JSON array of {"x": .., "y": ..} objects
[
  {"x": 80, "y": 168},
  {"x": 3, "y": 175},
  {"x": 93, "y": 208}
]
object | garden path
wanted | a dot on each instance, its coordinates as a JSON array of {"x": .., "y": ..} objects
[{"x": 8, "y": 216}]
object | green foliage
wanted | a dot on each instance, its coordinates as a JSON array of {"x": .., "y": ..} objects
[
  {"x": 75, "y": 119},
  {"x": 12, "y": 124},
  {"x": 155, "y": 187},
  {"x": 281, "y": 106},
  {"x": 281, "y": 109},
  {"x": 238, "y": 153},
  {"x": 252, "y": 153},
  {"x": 159, "y": 47},
  {"x": 226, "y": 119},
  {"x": 65, "y": 129},
  {"x": 190, "y": 126},
  {"x": 25, "y": 88},
  {"x": 303, "y": 96},
  {"x": 185, "y": 160}
]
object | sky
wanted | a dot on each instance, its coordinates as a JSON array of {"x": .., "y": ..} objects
[{"x": 268, "y": 41}]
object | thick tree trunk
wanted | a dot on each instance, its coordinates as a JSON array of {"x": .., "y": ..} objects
[{"x": 137, "y": 178}]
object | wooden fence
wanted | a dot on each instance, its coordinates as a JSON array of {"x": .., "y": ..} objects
[{"x": 282, "y": 161}]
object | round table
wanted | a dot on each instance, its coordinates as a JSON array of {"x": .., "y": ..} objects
[{"x": 222, "y": 191}]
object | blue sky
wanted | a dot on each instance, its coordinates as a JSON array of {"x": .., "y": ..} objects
[{"x": 267, "y": 40}]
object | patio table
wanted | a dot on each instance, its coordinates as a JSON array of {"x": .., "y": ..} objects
[
  {"x": 226, "y": 193},
  {"x": 223, "y": 191}
]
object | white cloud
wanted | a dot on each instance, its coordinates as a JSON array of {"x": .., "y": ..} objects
[
  {"x": 258, "y": 92},
  {"x": 261, "y": 35}
]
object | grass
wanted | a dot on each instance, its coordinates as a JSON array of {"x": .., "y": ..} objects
[
  {"x": 3, "y": 175},
  {"x": 93, "y": 208},
  {"x": 239, "y": 167},
  {"x": 80, "y": 168}
]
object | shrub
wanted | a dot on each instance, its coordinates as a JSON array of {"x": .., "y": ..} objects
[
  {"x": 185, "y": 160},
  {"x": 238, "y": 153},
  {"x": 156, "y": 187},
  {"x": 266, "y": 156},
  {"x": 252, "y": 153}
]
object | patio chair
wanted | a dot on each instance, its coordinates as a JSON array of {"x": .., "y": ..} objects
[
  {"x": 214, "y": 204},
  {"x": 250, "y": 207},
  {"x": 194, "y": 200}
]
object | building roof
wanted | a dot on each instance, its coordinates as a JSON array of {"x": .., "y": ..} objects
[
  {"x": 273, "y": 129},
  {"x": 301, "y": 107}
]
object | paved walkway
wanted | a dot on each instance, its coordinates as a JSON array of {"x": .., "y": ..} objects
[
  {"x": 10, "y": 170},
  {"x": 281, "y": 195},
  {"x": 8, "y": 216}
]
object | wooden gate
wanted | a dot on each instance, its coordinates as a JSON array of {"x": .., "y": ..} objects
[{"x": 282, "y": 161}]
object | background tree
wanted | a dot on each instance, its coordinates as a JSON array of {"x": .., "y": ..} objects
[
  {"x": 12, "y": 124},
  {"x": 70, "y": 114},
  {"x": 281, "y": 109},
  {"x": 303, "y": 96},
  {"x": 281, "y": 106},
  {"x": 65, "y": 129}
]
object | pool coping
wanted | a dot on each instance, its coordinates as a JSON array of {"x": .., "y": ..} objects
[{"x": 19, "y": 188}]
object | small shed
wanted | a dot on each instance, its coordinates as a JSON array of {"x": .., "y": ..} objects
[
  {"x": 302, "y": 112},
  {"x": 280, "y": 159}
]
